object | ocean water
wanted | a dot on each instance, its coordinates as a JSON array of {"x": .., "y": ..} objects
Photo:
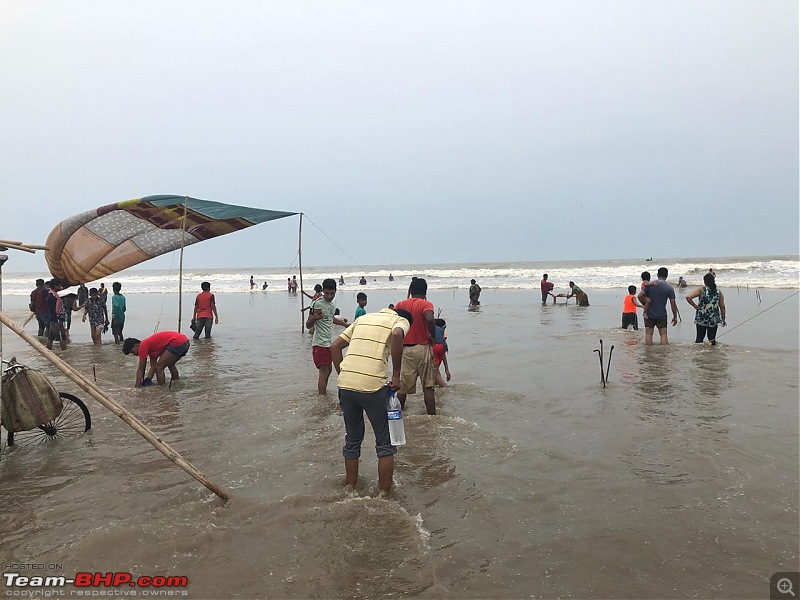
[
  {"x": 678, "y": 479},
  {"x": 781, "y": 272}
]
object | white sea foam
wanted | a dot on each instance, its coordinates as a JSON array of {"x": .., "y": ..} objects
[{"x": 781, "y": 272}]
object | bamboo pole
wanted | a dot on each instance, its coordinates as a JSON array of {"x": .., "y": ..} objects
[
  {"x": 300, "y": 263},
  {"x": 17, "y": 247},
  {"x": 112, "y": 405},
  {"x": 180, "y": 268},
  {"x": 3, "y": 259}
]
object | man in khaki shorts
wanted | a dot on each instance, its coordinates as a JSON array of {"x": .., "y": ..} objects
[{"x": 417, "y": 347}]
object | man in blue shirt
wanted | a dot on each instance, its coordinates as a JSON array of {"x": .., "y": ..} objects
[{"x": 654, "y": 296}]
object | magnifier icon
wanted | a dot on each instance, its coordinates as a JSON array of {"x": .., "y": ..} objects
[{"x": 784, "y": 586}]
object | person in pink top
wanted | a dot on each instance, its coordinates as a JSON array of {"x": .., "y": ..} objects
[
  {"x": 547, "y": 289},
  {"x": 164, "y": 348},
  {"x": 417, "y": 351}
]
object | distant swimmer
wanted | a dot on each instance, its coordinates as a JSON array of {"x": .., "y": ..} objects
[
  {"x": 474, "y": 293},
  {"x": 265, "y": 286},
  {"x": 682, "y": 282},
  {"x": 252, "y": 282},
  {"x": 391, "y": 277},
  {"x": 164, "y": 348},
  {"x": 580, "y": 296},
  {"x": 294, "y": 284},
  {"x": 363, "y": 280},
  {"x": 341, "y": 279}
]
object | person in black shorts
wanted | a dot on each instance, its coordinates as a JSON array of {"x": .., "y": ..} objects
[{"x": 654, "y": 296}]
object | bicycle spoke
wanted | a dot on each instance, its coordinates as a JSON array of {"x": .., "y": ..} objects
[{"x": 72, "y": 421}]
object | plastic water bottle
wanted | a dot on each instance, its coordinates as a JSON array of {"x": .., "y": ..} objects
[{"x": 397, "y": 431}]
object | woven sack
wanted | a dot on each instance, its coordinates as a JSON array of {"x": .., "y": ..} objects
[{"x": 29, "y": 400}]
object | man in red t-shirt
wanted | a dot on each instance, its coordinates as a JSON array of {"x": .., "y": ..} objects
[
  {"x": 164, "y": 348},
  {"x": 39, "y": 306},
  {"x": 205, "y": 307},
  {"x": 417, "y": 352}
]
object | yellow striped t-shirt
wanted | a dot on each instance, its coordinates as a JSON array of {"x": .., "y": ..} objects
[{"x": 365, "y": 366}]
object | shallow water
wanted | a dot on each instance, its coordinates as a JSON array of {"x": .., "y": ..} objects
[{"x": 679, "y": 479}]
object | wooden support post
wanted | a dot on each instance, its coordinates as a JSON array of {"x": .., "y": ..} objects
[{"x": 95, "y": 392}]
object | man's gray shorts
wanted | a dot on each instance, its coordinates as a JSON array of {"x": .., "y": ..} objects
[{"x": 354, "y": 405}]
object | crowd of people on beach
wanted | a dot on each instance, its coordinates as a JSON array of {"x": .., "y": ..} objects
[
  {"x": 407, "y": 331},
  {"x": 707, "y": 301},
  {"x": 53, "y": 314}
]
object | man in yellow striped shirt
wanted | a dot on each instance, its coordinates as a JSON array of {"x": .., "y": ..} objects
[{"x": 363, "y": 387}]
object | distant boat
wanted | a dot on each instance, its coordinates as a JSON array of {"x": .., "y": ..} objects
[{"x": 649, "y": 259}]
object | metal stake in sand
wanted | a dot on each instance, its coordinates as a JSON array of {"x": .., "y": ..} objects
[
  {"x": 112, "y": 405},
  {"x": 602, "y": 377},
  {"x": 608, "y": 367}
]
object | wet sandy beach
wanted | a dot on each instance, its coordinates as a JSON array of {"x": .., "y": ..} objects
[{"x": 679, "y": 479}]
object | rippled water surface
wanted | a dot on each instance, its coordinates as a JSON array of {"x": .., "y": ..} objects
[{"x": 679, "y": 479}]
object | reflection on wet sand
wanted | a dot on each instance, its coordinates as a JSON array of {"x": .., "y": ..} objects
[{"x": 688, "y": 458}]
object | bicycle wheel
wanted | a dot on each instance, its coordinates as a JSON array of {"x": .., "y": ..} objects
[{"x": 73, "y": 421}]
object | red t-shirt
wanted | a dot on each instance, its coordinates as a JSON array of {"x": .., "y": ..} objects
[
  {"x": 203, "y": 304},
  {"x": 155, "y": 345},
  {"x": 418, "y": 334},
  {"x": 546, "y": 286},
  {"x": 39, "y": 300}
]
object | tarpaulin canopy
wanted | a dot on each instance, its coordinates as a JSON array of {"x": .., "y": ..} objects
[{"x": 97, "y": 243}]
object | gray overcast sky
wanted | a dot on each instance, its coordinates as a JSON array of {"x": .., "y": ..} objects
[{"x": 435, "y": 131}]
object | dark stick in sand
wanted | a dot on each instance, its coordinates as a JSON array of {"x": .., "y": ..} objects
[
  {"x": 602, "y": 377},
  {"x": 608, "y": 367}
]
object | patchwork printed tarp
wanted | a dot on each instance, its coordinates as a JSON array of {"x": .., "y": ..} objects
[{"x": 99, "y": 242}]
